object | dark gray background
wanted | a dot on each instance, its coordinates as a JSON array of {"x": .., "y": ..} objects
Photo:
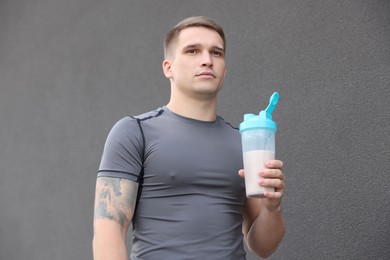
[{"x": 70, "y": 69}]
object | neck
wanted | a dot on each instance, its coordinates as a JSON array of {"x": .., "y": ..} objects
[{"x": 203, "y": 110}]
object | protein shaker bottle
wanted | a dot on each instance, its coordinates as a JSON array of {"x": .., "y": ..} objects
[{"x": 258, "y": 146}]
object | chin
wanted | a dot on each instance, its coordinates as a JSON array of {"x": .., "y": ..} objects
[
  {"x": 208, "y": 91},
  {"x": 210, "y": 88}
]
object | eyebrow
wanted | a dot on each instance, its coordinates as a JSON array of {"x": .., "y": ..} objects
[{"x": 197, "y": 45}]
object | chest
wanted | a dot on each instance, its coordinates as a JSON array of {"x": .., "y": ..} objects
[{"x": 188, "y": 161}]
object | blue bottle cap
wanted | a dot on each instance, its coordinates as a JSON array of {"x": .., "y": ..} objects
[{"x": 264, "y": 119}]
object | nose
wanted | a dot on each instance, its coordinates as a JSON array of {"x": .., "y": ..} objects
[{"x": 207, "y": 60}]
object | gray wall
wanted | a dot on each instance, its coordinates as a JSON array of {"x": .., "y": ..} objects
[{"x": 70, "y": 69}]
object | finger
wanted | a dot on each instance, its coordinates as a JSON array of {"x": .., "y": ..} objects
[
  {"x": 272, "y": 173},
  {"x": 274, "y": 164},
  {"x": 241, "y": 173},
  {"x": 273, "y": 195},
  {"x": 272, "y": 183}
]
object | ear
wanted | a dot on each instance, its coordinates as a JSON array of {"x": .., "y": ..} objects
[{"x": 166, "y": 66}]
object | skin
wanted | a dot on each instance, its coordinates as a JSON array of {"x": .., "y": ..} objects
[
  {"x": 196, "y": 70},
  {"x": 114, "y": 209},
  {"x": 263, "y": 224},
  {"x": 195, "y": 66}
]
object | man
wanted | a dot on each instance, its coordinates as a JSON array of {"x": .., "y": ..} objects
[{"x": 192, "y": 204}]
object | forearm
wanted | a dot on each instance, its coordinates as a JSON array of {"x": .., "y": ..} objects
[
  {"x": 266, "y": 232},
  {"x": 109, "y": 241}
]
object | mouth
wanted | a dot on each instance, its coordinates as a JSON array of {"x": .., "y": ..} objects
[{"x": 207, "y": 74}]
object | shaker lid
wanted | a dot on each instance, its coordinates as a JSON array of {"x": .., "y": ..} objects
[{"x": 264, "y": 119}]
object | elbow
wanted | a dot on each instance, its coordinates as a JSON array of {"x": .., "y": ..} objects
[
  {"x": 262, "y": 252},
  {"x": 263, "y": 248},
  {"x": 265, "y": 254}
]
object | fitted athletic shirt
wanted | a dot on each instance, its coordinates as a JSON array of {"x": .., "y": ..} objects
[{"x": 192, "y": 198}]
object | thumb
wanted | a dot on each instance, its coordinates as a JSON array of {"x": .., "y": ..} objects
[{"x": 241, "y": 173}]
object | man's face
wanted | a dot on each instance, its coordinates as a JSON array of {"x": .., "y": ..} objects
[{"x": 196, "y": 62}]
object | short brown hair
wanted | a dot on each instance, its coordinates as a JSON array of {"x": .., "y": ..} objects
[{"x": 195, "y": 21}]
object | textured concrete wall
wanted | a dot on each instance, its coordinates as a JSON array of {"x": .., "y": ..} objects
[{"x": 70, "y": 69}]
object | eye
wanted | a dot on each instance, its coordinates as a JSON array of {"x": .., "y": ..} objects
[
  {"x": 216, "y": 53},
  {"x": 191, "y": 51}
]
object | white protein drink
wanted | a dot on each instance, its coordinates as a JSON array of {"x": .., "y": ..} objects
[{"x": 254, "y": 161}]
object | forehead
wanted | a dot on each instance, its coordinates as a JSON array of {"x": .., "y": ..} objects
[{"x": 199, "y": 36}]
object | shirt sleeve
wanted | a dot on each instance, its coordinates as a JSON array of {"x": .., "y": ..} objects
[{"x": 122, "y": 154}]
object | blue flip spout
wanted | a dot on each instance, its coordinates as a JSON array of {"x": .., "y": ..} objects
[{"x": 273, "y": 101}]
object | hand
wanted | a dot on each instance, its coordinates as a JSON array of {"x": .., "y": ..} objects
[{"x": 273, "y": 177}]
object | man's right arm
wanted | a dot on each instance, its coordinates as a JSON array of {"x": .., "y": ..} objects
[{"x": 115, "y": 201}]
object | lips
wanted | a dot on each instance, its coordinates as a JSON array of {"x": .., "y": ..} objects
[{"x": 206, "y": 74}]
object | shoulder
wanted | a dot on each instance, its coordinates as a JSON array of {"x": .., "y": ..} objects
[
  {"x": 130, "y": 122},
  {"x": 149, "y": 115},
  {"x": 123, "y": 127},
  {"x": 228, "y": 125}
]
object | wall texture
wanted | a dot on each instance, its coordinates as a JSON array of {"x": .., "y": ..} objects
[{"x": 70, "y": 69}]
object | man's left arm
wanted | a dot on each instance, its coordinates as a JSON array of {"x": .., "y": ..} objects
[{"x": 263, "y": 224}]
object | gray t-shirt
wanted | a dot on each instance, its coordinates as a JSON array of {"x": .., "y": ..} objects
[{"x": 192, "y": 198}]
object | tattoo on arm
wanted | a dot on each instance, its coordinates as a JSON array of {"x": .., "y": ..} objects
[{"x": 115, "y": 199}]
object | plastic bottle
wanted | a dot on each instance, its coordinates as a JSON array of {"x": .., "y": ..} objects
[{"x": 258, "y": 146}]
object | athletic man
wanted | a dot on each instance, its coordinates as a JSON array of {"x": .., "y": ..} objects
[{"x": 173, "y": 171}]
